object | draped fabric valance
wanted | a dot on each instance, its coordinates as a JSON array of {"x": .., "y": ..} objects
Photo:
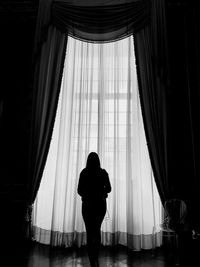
[
  {"x": 91, "y": 20},
  {"x": 100, "y": 23}
]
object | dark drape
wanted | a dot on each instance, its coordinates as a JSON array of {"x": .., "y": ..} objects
[
  {"x": 151, "y": 59},
  {"x": 184, "y": 99},
  {"x": 99, "y": 21},
  {"x": 48, "y": 73},
  {"x": 192, "y": 81}
]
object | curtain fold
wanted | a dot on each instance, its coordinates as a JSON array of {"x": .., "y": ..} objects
[
  {"x": 152, "y": 67},
  {"x": 47, "y": 81},
  {"x": 99, "y": 110},
  {"x": 100, "y": 22}
]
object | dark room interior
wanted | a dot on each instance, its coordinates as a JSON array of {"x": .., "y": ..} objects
[{"x": 17, "y": 32}]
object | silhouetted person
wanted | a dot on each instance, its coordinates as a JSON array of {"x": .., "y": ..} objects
[{"x": 93, "y": 187}]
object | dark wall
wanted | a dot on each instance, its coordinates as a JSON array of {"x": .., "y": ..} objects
[{"x": 17, "y": 28}]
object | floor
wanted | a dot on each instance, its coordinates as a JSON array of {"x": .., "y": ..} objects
[
  {"x": 42, "y": 256},
  {"x": 38, "y": 255}
]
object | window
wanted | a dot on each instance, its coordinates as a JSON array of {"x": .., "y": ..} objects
[{"x": 99, "y": 110}]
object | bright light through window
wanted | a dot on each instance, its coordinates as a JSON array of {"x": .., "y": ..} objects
[{"x": 99, "y": 110}]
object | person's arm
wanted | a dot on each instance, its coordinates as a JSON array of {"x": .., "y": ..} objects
[
  {"x": 107, "y": 185},
  {"x": 81, "y": 189}
]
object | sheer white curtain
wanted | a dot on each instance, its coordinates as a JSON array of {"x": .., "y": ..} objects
[{"x": 99, "y": 110}]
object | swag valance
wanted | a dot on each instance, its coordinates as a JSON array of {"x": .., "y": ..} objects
[
  {"x": 92, "y": 20},
  {"x": 110, "y": 21}
]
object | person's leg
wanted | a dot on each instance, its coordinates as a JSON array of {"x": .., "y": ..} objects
[
  {"x": 93, "y": 216},
  {"x": 90, "y": 232},
  {"x": 97, "y": 228},
  {"x": 91, "y": 245}
]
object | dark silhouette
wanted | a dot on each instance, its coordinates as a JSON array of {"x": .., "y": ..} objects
[{"x": 93, "y": 187}]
